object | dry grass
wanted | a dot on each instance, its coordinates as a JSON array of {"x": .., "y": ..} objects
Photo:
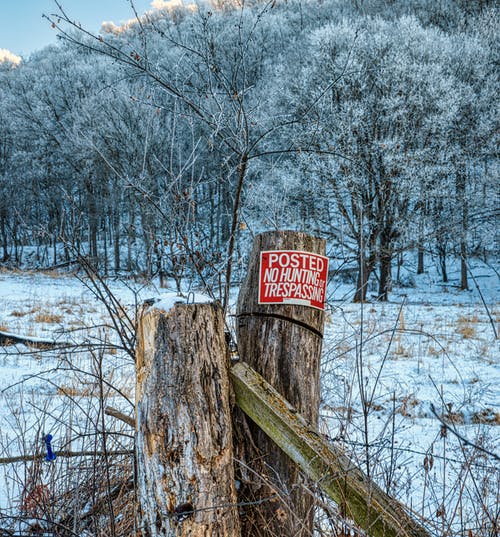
[
  {"x": 342, "y": 412},
  {"x": 432, "y": 351},
  {"x": 55, "y": 274},
  {"x": 17, "y": 313},
  {"x": 486, "y": 416},
  {"x": 21, "y": 313},
  {"x": 89, "y": 390},
  {"x": 375, "y": 406},
  {"x": 456, "y": 418},
  {"x": 343, "y": 348},
  {"x": 71, "y": 391},
  {"x": 401, "y": 350},
  {"x": 466, "y": 327},
  {"x": 47, "y": 317},
  {"x": 75, "y": 323},
  {"x": 6, "y": 270}
]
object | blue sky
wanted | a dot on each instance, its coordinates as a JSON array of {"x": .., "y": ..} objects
[{"x": 23, "y": 30}]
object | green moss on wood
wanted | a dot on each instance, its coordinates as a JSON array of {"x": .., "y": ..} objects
[{"x": 364, "y": 502}]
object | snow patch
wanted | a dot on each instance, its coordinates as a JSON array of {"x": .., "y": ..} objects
[{"x": 168, "y": 300}]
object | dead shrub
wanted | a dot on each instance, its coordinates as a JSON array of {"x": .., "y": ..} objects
[
  {"x": 456, "y": 418},
  {"x": 408, "y": 405}
]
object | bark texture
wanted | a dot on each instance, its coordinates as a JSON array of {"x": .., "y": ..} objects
[
  {"x": 283, "y": 344},
  {"x": 184, "y": 433}
]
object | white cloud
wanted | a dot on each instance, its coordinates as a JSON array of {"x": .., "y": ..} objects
[
  {"x": 160, "y": 7},
  {"x": 8, "y": 56},
  {"x": 166, "y": 4},
  {"x": 109, "y": 27}
]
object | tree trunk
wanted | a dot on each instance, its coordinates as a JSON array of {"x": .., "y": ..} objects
[
  {"x": 15, "y": 240},
  {"x": 461, "y": 187},
  {"x": 104, "y": 235},
  {"x": 54, "y": 249},
  {"x": 464, "y": 281},
  {"x": 184, "y": 432},
  {"x": 386, "y": 253},
  {"x": 116, "y": 239},
  {"x": 130, "y": 234},
  {"x": 365, "y": 268},
  {"x": 420, "y": 259},
  {"x": 385, "y": 277},
  {"x": 423, "y": 214},
  {"x": 5, "y": 244},
  {"x": 92, "y": 222},
  {"x": 441, "y": 248},
  {"x": 283, "y": 344}
]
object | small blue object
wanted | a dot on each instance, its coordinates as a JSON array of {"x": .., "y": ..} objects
[{"x": 51, "y": 456}]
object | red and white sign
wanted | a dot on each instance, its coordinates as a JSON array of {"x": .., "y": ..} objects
[{"x": 293, "y": 277}]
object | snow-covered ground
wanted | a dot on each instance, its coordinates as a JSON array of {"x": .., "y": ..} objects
[
  {"x": 416, "y": 378},
  {"x": 56, "y": 391}
]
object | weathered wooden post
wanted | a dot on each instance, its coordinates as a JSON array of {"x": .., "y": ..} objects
[
  {"x": 282, "y": 342},
  {"x": 184, "y": 432}
]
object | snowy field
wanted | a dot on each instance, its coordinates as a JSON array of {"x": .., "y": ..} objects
[
  {"x": 417, "y": 380},
  {"x": 58, "y": 391}
]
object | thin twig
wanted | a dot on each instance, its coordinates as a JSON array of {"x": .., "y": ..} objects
[{"x": 467, "y": 442}]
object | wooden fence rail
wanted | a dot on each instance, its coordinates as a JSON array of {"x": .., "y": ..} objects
[{"x": 362, "y": 500}]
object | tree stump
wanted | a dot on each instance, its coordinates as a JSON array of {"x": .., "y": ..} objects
[
  {"x": 283, "y": 344},
  {"x": 184, "y": 433}
]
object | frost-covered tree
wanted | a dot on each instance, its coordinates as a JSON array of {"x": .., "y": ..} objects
[
  {"x": 386, "y": 124},
  {"x": 151, "y": 148},
  {"x": 6, "y": 151}
]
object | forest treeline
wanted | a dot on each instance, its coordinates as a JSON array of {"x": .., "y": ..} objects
[{"x": 163, "y": 146}]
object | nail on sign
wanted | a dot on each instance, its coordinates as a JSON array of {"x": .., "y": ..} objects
[{"x": 293, "y": 277}]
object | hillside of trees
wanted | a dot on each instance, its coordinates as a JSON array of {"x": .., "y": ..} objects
[{"x": 162, "y": 148}]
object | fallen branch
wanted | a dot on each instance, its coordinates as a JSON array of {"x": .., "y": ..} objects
[
  {"x": 7, "y": 338},
  {"x": 68, "y": 454}
]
